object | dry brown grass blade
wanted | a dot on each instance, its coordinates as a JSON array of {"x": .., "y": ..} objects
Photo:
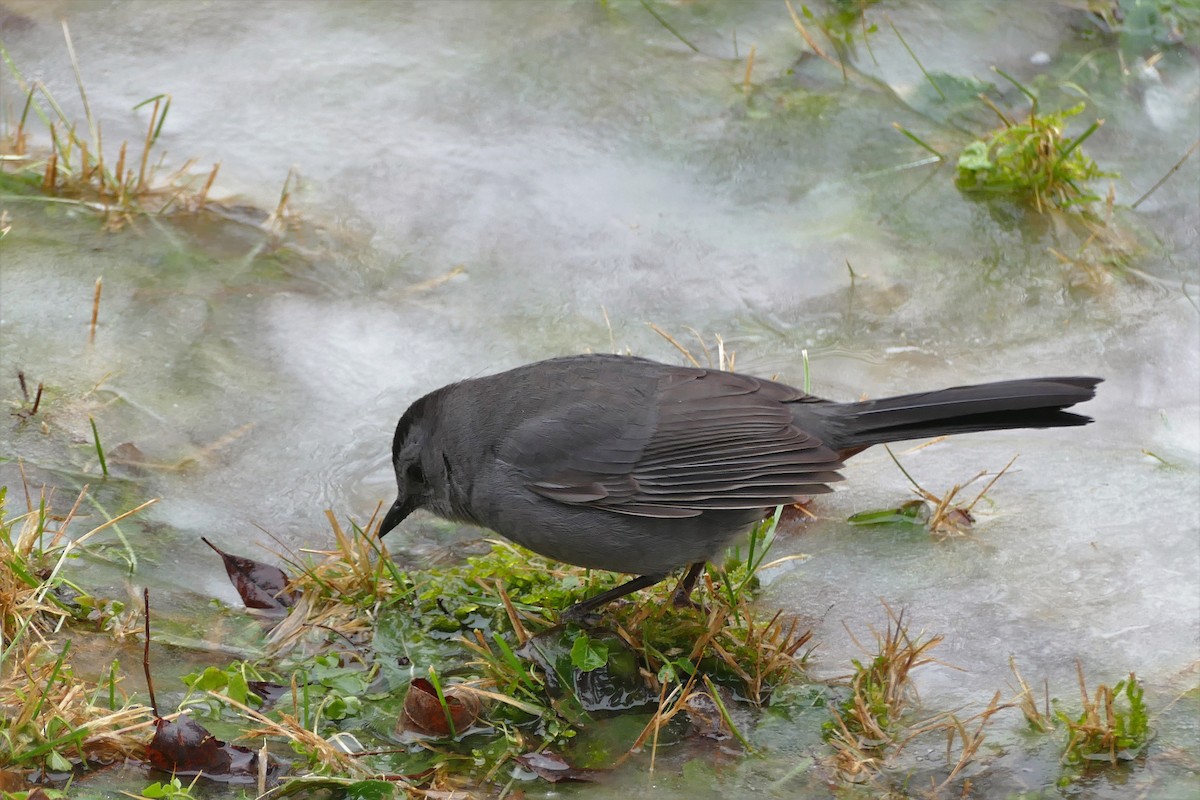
[
  {"x": 288, "y": 727},
  {"x": 866, "y": 748},
  {"x": 776, "y": 653},
  {"x": 75, "y": 169},
  {"x": 436, "y": 281},
  {"x": 1097, "y": 727},
  {"x": 50, "y": 174},
  {"x": 1028, "y": 704},
  {"x": 499, "y": 697},
  {"x": 105, "y": 525},
  {"x": 971, "y": 740},
  {"x": 119, "y": 174},
  {"x": 202, "y": 197},
  {"x": 669, "y": 705},
  {"x": 146, "y": 145},
  {"x": 209, "y": 450},
  {"x": 887, "y": 678},
  {"x": 724, "y": 360},
  {"x": 355, "y": 567},
  {"x": 95, "y": 311},
  {"x": 514, "y": 618},
  {"x": 277, "y": 222},
  {"x": 686, "y": 353},
  {"x": 947, "y": 519},
  {"x": 749, "y": 69},
  {"x": 716, "y": 622},
  {"x": 30, "y": 564},
  {"x": 43, "y": 700},
  {"x": 854, "y": 762},
  {"x": 19, "y": 140},
  {"x": 983, "y": 492},
  {"x": 700, "y": 341},
  {"x": 816, "y": 48},
  {"x": 731, "y": 662}
]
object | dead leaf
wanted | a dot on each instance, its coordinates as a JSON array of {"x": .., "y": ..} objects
[
  {"x": 551, "y": 767},
  {"x": 12, "y": 781},
  {"x": 185, "y": 747},
  {"x": 959, "y": 518},
  {"x": 259, "y": 585},
  {"x": 705, "y": 716},
  {"x": 128, "y": 455},
  {"x": 425, "y": 713}
]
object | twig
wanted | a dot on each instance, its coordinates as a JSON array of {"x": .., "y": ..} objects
[
  {"x": 146, "y": 651},
  {"x": 37, "y": 399}
]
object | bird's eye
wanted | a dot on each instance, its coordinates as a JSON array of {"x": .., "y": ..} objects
[{"x": 415, "y": 474}]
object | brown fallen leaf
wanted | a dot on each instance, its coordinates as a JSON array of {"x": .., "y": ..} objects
[
  {"x": 128, "y": 455},
  {"x": 182, "y": 746},
  {"x": 425, "y": 713},
  {"x": 551, "y": 767},
  {"x": 959, "y": 518},
  {"x": 259, "y": 585},
  {"x": 12, "y": 781},
  {"x": 705, "y": 716},
  {"x": 185, "y": 747}
]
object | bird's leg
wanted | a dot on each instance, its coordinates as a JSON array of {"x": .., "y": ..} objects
[
  {"x": 682, "y": 596},
  {"x": 580, "y": 610}
]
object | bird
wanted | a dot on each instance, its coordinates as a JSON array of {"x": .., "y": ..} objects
[{"x": 630, "y": 465}]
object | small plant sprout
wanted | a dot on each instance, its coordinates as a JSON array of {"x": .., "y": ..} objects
[
  {"x": 1113, "y": 726},
  {"x": 881, "y": 689}
]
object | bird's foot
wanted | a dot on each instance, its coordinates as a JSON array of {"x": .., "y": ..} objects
[
  {"x": 581, "y": 614},
  {"x": 682, "y": 600}
]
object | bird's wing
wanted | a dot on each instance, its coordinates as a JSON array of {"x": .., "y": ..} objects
[{"x": 693, "y": 441}]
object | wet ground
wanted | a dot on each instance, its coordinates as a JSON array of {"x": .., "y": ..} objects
[{"x": 485, "y": 184}]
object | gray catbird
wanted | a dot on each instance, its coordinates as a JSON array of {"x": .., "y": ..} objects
[{"x": 629, "y": 465}]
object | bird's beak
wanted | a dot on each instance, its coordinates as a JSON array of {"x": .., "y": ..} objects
[{"x": 395, "y": 515}]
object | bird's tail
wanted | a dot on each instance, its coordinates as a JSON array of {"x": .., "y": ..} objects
[{"x": 1029, "y": 403}]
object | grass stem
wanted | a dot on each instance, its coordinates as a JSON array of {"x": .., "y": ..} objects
[{"x": 99, "y": 447}]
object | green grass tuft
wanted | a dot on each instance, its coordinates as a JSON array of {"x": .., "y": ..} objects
[{"x": 1033, "y": 162}]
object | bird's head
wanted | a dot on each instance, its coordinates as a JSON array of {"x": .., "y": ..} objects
[{"x": 408, "y": 454}]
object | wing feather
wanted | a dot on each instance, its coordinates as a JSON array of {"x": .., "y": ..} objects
[{"x": 696, "y": 441}]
